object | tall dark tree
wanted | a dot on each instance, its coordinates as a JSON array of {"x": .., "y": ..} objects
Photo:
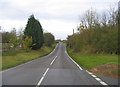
[{"x": 34, "y": 29}]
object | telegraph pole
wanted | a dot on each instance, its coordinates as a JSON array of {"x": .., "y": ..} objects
[
  {"x": 73, "y": 31},
  {"x": 118, "y": 27}
]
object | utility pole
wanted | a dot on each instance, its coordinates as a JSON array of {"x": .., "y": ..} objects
[
  {"x": 119, "y": 7},
  {"x": 118, "y": 27},
  {"x": 73, "y": 31}
]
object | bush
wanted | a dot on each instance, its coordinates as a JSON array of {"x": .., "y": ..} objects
[
  {"x": 96, "y": 37},
  {"x": 27, "y": 43},
  {"x": 48, "y": 39}
]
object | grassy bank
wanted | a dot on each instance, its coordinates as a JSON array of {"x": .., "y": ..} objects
[
  {"x": 14, "y": 58},
  {"x": 101, "y": 64}
]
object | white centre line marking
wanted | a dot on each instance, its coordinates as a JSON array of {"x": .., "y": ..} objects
[
  {"x": 53, "y": 60},
  {"x": 40, "y": 82},
  {"x": 45, "y": 73},
  {"x": 42, "y": 78}
]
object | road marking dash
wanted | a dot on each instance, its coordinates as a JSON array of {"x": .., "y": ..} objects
[
  {"x": 94, "y": 76},
  {"x": 86, "y": 71},
  {"x": 90, "y": 73},
  {"x": 103, "y": 83},
  {"x": 98, "y": 79},
  {"x": 42, "y": 78},
  {"x": 40, "y": 82},
  {"x": 53, "y": 60},
  {"x": 45, "y": 72}
]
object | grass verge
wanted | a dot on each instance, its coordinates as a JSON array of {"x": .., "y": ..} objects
[
  {"x": 17, "y": 57},
  {"x": 102, "y": 64}
]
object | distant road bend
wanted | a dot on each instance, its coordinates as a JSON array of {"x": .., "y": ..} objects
[{"x": 57, "y": 68}]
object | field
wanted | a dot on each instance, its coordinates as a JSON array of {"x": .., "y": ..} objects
[
  {"x": 16, "y": 57},
  {"x": 102, "y": 64}
]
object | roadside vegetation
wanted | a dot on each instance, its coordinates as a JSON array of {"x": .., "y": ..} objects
[
  {"x": 25, "y": 45},
  {"x": 91, "y": 60},
  {"x": 100, "y": 64},
  {"x": 48, "y": 39},
  {"x": 95, "y": 45},
  {"x": 15, "y": 57}
]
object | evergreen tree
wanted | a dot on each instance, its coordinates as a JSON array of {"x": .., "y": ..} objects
[{"x": 34, "y": 29}]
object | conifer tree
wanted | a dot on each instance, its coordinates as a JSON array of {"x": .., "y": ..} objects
[{"x": 34, "y": 29}]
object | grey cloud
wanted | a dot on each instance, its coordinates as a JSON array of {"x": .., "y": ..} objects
[
  {"x": 11, "y": 12},
  {"x": 62, "y": 17}
]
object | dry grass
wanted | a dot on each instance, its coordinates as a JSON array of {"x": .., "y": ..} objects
[
  {"x": 109, "y": 70},
  {"x": 101, "y": 64}
]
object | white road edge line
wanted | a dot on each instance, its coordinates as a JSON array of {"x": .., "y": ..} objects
[
  {"x": 42, "y": 78},
  {"x": 79, "y": 67},
  {"x": 103, "y": 83},
  {"x": 74, "y": 61},
  {"x": 90, "y": 73},
  {"x": 98, "y": 79},
  {"x": 94, "y": 76}
]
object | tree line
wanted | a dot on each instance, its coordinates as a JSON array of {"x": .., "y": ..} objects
[
  {"x": 32, "y": 37},
  {"x": 97, "y": 33}
]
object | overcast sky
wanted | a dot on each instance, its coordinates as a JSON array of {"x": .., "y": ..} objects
[{"x": 56, "y": 16}]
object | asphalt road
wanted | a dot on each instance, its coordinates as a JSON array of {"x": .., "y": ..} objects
[{"x": 57, "y": 68}]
